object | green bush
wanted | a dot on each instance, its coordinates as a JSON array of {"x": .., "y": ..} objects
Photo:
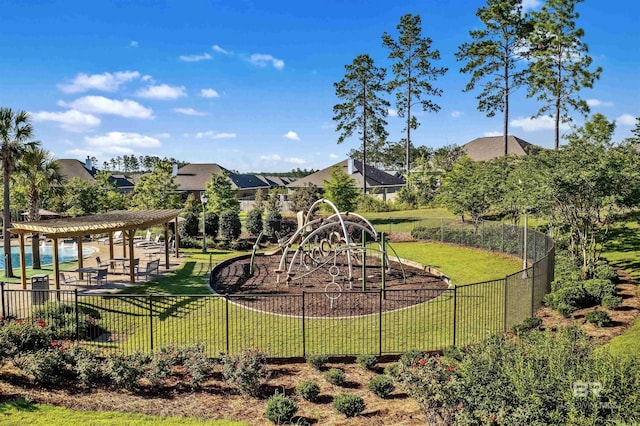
[
  {"x": 280, "y": 409},
  {"x": 211, "y": 224},
  {"x": 611, "y": 302},
  {"x": 246, "y": 371},
  {"x": 598, "y": 318},
  {"x": 369, "y": 203},
  {"x": 230, "y": 226},
  {"x": 392, "y": 370},
  {"x": 349, "y": 405},
  {"x": 86, "y": 364},
  {"x": 19, "y": 337},
  {"x": 273, "y": 223},
  {"x": 317, "y": 360},
  {"x": 335, "y": 376},
  {"x": 531, "y": 323},
  {"x": 123, "y": 370},
  {"x": 367, "y": 361},
  {"x": 254, "y": 222},
  {"x": 603, "y": 271},
  {"x": 189, "y": 227},
  {"x": 381, "y": 386},
  {"x": 48, "y": 367},
  {"x": 410, "y": 357},
  {"x": 197, "y": 364},
  {"x": 308, "y": 390},
  {"x": 189, "y": 242}
]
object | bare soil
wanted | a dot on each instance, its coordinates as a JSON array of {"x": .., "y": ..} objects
[{"x": 217, "y": 401}]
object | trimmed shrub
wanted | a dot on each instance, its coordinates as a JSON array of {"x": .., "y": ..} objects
[
  {"x": 122, "y": 370},
  {"x": 18, "y": 337},
  {"x": 280, "y": 409},
  {"x": 273, "y": 223},
  {"x": 392, "y": 370},
  {"x": 317, "y": 360},
  {"x": 245, "y": 372},
  {"x": 308, "y": 390},
  {"x": 254, "y": 222},
  {"x": 381, "y": 386},
  {"x": 611, "y": 302},
  {"x": 197, "y": 364},
  {"x": 230, "y": 226},
  {"x": 410, "y": 357},
  {"x": 367, "y": 361},
  {"x": 527, "y": 325},
  {"x": 48, "y": 367},
  {"x": 190, "y": 226},
  {"x": 211, "y": 224},
  {"x": 603, "y": 271},
  {"x": 369, "y": 203},
  {"x": 598, "y": 318},
  {"x": 335, "y": 376},
  {"x": 86, "y": 364},
  {"x": 349, "y": 405}
]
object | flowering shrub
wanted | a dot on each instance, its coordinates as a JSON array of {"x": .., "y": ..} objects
[
  {"x": 197, "y": 364},
  {"x": 245, "y": 372},
  {"x": 86, "y": 364},
  {"x": 18, "y": 336},
  {"x": 48, "y": 367},
  {"x": 123, "y": 370}
]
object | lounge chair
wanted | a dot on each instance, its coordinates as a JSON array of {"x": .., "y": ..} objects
[
  {"x": 117, "y": 238},
  {"x": 154, "y": 243}
]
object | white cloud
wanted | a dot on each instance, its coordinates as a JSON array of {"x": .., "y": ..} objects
[
  {"x": 333, "y": 156},
  {"x": 146, "y": 78},
  {"x": 106, "y": 82},
  {"x": 274, "y": 157},
  {"x": 491, "y": 134},
  {"x": 262, "y": 60},
  {"x": 211, "y": 134},
  {"x": 530, "y": 4},
  {"x": 219, "y": 49},
  {"x": 133, "y": 43},
  {"x": 164, "y": 135},
  {"x": 189, "y": 111},
  {"x": 626, "y": 120},
  {"x": 294, "y": 160},
  {"x": 392, "y": 112},
  {"x": 291, "y": 135},
  {"x": 209, "y": 93},
  {"x": 456, "y": 114},
  {"x": 71, "y": 120},
  {"x": 101, "y": 105},
  {"x": 162, "y": 91},
  {"x": 195, "y": 58},
  {"x": 529, "y": 124},
  {"x": 597, "y": 103},
  {"x": 126, "y": 140}
]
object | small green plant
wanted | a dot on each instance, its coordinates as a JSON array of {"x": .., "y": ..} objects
[
  {"x": 598, "y": 318},
  {"x": 611, "y": 302},
  {"x": 410, "y": 357},
  {"x": 123, "y": 370},
  {"x": 308, "y": 390},
  {"x": 197, "y": 364},
  {"x": 86, "y": 364},
  {"x": 381, "y": 386},
  {"x": 349, "y": 405},
  {"x": 317, "y": 361},
  {"x": 280, "y": 409},
  {"x": 528, "y": 324},
  {"x": 245, "y": 372},
  {"x": 335, "y": 376},
  {"x": 367, "y": 361},
  {"x": 392, "y": 370},
  {"x": 48, "y": 367}
]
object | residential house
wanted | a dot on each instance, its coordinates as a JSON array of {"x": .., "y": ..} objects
[{"x": 486, "y": 148}]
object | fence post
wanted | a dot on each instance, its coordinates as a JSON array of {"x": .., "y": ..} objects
[
  {"x": 380, "y": 325},
  {"x": 504, "y": 313},
  {"x": 4, "y": 312},
  {"x": 226, "y": 321},
  {"x": 442, "y": 229},
  {"x": 455, "y": 313},
  {"x": 75, "y": 294},
  {"x": 364, "y": 260},
  {"x": 151, "y": 320},
  {"x": 383, "y": 271},
  {"x": 304, "y": 342},
  {"x": 533, "y": 287}
]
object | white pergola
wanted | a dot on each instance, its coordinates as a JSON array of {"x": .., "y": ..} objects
[{"x": 120, "y": 220}]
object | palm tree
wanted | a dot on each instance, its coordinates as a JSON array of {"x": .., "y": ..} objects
[
  {"x": 15, "y": 131},
  {"x": 39, "y": 175}
]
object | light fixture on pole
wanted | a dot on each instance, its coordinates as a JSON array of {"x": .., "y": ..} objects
[{"x": 203, "y": 200}]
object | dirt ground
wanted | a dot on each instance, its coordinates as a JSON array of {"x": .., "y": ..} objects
[{"x": 217, "y": 401}]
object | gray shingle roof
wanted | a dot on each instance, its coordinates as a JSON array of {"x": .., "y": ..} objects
[
  {"x": 375, "y": 176},
  {"x": 486, "y": 148},
  {"x": 71, "y": 168},
  {"x": 194, "y": 177}
]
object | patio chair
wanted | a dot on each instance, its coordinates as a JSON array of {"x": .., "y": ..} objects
[
  {"x": 136, "y": 265},
  {"x": 67, "y": 279},
  {"x": 101, "y": 276},
  {"x": 99, "y": 262}
]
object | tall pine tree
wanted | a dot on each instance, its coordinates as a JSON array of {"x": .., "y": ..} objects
[{"x": 363, "y": 110}]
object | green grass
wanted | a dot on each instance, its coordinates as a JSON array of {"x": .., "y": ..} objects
[{"x": 21, "y": 412}]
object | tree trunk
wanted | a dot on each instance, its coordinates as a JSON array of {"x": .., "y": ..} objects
[
  {"x": 558, "y": 96},
  {"x": 6, "y": 216},
  {"x": 364, "y": 139},
  {"x": 505, "y": 123},
  {"x": 408, "y": 129}
]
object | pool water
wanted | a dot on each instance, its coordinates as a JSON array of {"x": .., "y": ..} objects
[{"x": 66, "y": 252}]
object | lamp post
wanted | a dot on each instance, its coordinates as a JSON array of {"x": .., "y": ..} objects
[{"x": 203, "y": 200}]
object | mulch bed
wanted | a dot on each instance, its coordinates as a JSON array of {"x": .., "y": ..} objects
[{"x": 324, "y": 295}]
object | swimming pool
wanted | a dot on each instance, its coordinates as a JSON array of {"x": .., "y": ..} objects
[{"x": 66, "y": 252}]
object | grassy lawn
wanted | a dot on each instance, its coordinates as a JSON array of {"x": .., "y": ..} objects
[{"x": 21, "y": 412}]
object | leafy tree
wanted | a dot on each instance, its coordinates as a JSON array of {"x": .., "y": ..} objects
[
  {"x": 192, "y": 205},
  {"x": 259, "y": 199},
  {"x": 363, "y": 110},
  {"x": 222, "y": 196},
  {"x": 189, "y": 226},
  {"x": 110, "y": 198},
  {"x": 445, "y": 157},
  {"x": 341, "y": 190},
  {"x": 157, "y": 190},
  {"x": 273, "y": 201},
  {"x": 230, "y": 226},
  {"x": 561, "y": 64},
  {"x": 302, "y": 198},
  {"x": 211, "y": 224},
  {"x": 15, "y": 131},
  {"x": 494, "y": 57},
  {"x": 272, "y": 223},
  {"x": 80, "y": 198},
  {"x": 39, "y": 176},
  {"x": 422, "y": 185},
  {"x": 413, "y": 73},
  {"x": 254, "y": 221}
]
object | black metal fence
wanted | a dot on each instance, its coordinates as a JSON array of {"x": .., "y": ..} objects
[{"x": 336, "y": 323}]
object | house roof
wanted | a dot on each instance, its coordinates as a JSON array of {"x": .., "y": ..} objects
[
  {"x": 72, "y": 168},
  {"x": 375, "y": 176},
  {"x": 194, "y": 177},
  {"x": 486, "y": 148}
]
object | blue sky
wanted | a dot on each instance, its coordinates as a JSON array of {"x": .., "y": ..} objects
[{"x": 249, "y": 85}]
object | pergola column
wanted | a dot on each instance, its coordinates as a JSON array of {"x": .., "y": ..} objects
[
  {"x": 80, "y": 257},
  {"x": 166, "y": 244},
  {"x": 56, "y": 264},
  {"x": 23, "y": 261},
  {"x": 132, "y": 272}
]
